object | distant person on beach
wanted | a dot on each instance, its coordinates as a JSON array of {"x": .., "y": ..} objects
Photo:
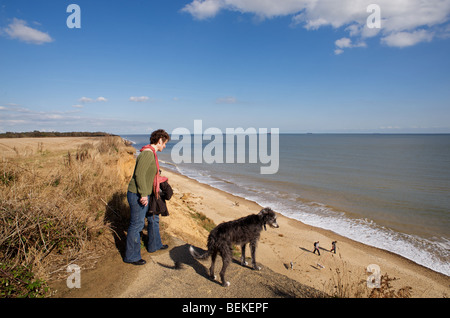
[
  {"x": 145, "y": 181},
  {"x": 333, "y": 247},
  {"x": 316, "y": 248}
]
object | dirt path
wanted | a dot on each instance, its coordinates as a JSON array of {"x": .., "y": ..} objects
[{"x": 173, "y": 273}]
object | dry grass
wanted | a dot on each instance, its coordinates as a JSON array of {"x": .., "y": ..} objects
[
  {"x": 344, "y": 283},
  {"x": 347, "y": 284},
  {"x": 386, "y": 290},
  {"x": 53, "y": 213}
]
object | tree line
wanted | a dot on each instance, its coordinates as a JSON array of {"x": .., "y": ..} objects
[{"x": 37, "y": 133}]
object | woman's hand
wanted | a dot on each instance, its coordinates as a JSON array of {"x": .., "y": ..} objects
[{"x": 144, "y": 200}]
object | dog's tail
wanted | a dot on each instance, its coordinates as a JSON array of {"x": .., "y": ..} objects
[{"x": 198, "y": 255}]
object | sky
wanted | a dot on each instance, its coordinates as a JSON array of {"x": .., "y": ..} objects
[{"x": 320, "y": 66}]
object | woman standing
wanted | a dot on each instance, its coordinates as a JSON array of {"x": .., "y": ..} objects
[{"x": 145, "y": 180}]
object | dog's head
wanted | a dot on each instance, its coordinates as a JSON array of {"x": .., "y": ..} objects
[{"x": 267, "y": 216}]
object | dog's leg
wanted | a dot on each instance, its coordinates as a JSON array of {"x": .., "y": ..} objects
[
  {"x": 243, "y": 262},
  {"x": 253, "y": 251},
  {"x": 213, "y": 262},
  {"x": 226, "y": 260}
]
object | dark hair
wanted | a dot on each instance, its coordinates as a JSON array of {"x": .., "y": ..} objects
[{"x": 157, "y": 134}]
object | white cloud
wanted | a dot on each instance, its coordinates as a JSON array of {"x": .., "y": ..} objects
[
  {"x": 18, "y": 29},
  {"x": 404, "y": 39},
  {"x": 85, "y": 100},
  {"x": 403, "y": 22},
  {"x": 226, "y": 100},
  {"x": 344, "y": 43},
  {"x": 14, "y": 115},
  {"x": 203, "y": 9},
  {"x": 24, "y": 119},
  {"x": 139, "y": 99}
]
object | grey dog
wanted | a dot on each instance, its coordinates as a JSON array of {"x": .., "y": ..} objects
[{"x": 241, "y": 231}]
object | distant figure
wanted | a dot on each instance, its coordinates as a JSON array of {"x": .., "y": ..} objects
[
  {"x": 316, "y": 248},
  {"x": 333, "y": 247}
]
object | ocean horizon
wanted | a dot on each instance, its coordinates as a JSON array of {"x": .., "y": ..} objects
[{"x": 390, "y": 191}]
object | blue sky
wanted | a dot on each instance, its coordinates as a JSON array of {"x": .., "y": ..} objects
[{"x": 296, "y": 65}]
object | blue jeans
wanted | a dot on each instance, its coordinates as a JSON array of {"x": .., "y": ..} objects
[
  {"x": 154, "y": 237},
  {"x": 137, "y": 223}
]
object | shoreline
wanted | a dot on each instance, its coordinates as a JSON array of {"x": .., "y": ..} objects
[
  {"x": 293, "y": 242},
  {"x": 347, "y": 223}
]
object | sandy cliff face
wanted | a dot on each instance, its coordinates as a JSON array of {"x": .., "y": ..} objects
[{"x": 125, "y": 164}]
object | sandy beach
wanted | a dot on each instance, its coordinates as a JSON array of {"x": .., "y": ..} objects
[
  {"x": 285, "y": 253},
  {"x": 293, "y": 242}
]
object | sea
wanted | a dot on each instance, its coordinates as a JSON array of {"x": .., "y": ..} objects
[{"x": 390, "y": 191}]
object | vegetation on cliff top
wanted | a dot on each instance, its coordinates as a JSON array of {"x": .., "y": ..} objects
[
  {"x": 54, "y": 210},
  {"x": 37, "y": 133}
]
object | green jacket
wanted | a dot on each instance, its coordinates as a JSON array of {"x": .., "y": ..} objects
[{"x": 144, "y": 174}]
